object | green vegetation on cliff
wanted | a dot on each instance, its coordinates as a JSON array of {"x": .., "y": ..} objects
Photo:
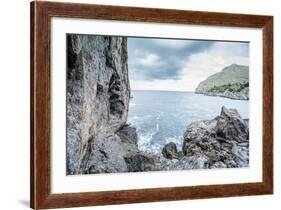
[
  {"x": 235, "y": 88},
  {"x": 231, "y": 82}
]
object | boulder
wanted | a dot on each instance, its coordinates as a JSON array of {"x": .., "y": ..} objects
[
  {"x": 105, "y": 154},
  {"x": 128, "y": 134},
  {"x": 129, "y": 139},
  {"x": 170, "y": 150},
  {"x": 140, "y": 162},
  {"x": 218, "y": 143},
  {"x": 231, "y": 127},
  {"x": 198, "y": 161},
  {"x": 199, "y": 136}
]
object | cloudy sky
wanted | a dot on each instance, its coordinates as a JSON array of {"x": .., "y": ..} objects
[{"x": 179, "y": 65}]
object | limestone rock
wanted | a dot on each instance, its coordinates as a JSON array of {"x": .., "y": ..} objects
[
  {"x": 105, "y": 154},
  {"x": 128, "y": 134},
  {"x": 140, "y": 162},
  {"x": 218, "y": 143},
  {"x": 97, "y": 92},
  {"x": 231, "y": 127},
  {"x": 170, "y": 150},
  {"x": 98, "y": 139},
  {"x": 198, "y": 161}
]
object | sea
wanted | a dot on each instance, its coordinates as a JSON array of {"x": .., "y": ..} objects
[{"x": 161, "y": 117}]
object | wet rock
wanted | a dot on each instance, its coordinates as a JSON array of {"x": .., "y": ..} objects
[
  {"x": 140, "y": 162},
  {"x": 198, "y": 161},
  {"x": 128, "y": 134},
  {"x": 104, "y": 155},
  {"x": 231, "y": 127},
  {"x": 199, "y": 136},
  {"x": 129, "y": 139},
  {"x": 219, "y": 143},
  {"x": 170, "y": 150},
  {"x": 107, "y": 152}
]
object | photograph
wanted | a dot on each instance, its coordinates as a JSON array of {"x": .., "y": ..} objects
[
  {"x": 132, "y": 104},
  {"x": 142, "y": 104}
]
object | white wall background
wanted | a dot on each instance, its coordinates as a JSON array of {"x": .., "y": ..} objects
[{"x": 14, "y": 111}]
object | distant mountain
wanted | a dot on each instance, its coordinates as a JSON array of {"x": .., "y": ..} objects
[{"x": 231, "y": 82}]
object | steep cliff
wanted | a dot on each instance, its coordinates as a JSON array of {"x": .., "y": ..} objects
[
  {"x": 231, "y": 82},
  {"x": 98, "y": 94},
  {"x": 98, "y": 139}
]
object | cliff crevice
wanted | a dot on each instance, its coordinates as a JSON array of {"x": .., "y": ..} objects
[{"x": 97, "y": 92}]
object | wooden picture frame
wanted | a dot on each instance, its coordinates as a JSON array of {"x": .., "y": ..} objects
[{"x": 41, "y": 14}]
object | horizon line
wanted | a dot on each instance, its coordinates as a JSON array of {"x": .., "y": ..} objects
[{"x": 164, "y": 90}]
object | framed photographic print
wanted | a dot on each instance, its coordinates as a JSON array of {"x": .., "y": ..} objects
[{"x": 141, "y": 105}]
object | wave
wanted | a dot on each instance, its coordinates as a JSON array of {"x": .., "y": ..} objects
[
  {"x": 151, "y": 138},
  {"x": 161, "y": 121},
  {"x": 145, "y": 137},
  {"x": 132, "y": 104},
  {"x": 157, "y": 127}
]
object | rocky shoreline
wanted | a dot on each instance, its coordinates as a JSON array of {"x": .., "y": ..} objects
[
  {"x": 243, "y": 95},
  {"x": 222, "y": 142},
  {"x": 98, "y": 139}
]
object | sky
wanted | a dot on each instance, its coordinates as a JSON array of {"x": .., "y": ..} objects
[{"x": 179, "y": 65}]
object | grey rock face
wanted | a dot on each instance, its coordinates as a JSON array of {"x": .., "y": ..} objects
[
  {"x": 98, "y": 141},
  {"x": 198, "y": 161},
  {"x": 98, "y": 94},
  {"x": 128, "y": 135},
  {"x": 105, "y": 154},
  {"x": 221, "y": 142},
  {"x": 231, "y": 82},
  {"x": 231, "y": 127},
  {"x": 112, "y": 153},
  {"x": 170, "y": 150},
  {"x": 140, "y": 162}
]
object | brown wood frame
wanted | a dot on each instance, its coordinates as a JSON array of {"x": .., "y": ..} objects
[{"x": 41, "y": 14}]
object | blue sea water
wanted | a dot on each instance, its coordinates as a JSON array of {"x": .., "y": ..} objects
[{"x": 162, "y": 116}]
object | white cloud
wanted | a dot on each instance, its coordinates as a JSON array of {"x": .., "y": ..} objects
[
  {"x": 149, "y": 60},
  {"x": 202, "y": 65},
  {"x": 174, "y": 44},
  {"x": 196, "y": 67}
]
